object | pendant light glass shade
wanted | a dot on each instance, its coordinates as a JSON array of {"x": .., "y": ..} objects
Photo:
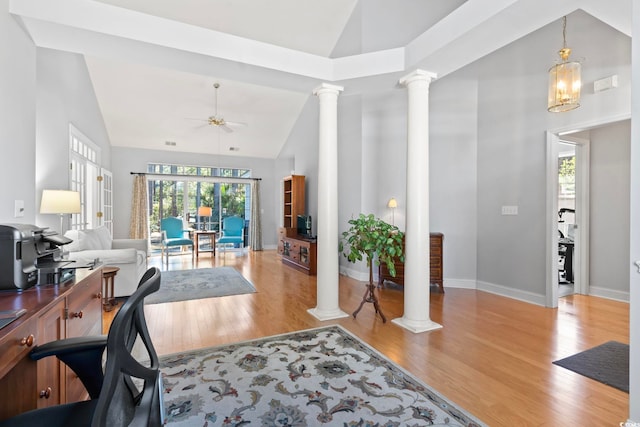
[{"x": 564, "y": 81}]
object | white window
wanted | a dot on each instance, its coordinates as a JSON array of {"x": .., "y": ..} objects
[{"x": 87, "y": 178}]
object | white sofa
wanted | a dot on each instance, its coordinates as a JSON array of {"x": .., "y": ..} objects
[{"x": 130, "y": 255}]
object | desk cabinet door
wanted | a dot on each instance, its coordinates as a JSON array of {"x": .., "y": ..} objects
[
  {"x": 84, "y": 308},
  {"x": 51, "y": 372}
]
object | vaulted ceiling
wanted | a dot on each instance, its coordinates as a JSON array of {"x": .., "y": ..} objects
[{"x": 153, "y": 63}]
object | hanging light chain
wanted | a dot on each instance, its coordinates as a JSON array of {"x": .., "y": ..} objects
[{"x": 564, "y": 32}]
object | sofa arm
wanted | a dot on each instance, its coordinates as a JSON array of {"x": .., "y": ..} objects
[{"x": 139, "y": 244}]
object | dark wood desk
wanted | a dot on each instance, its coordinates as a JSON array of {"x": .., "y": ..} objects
[{"x": 71, "y": 309}]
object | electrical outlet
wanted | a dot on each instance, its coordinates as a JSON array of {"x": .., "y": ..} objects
[
  {"x": 509, "y": 210},
  {"x": 18, "y": 209}
]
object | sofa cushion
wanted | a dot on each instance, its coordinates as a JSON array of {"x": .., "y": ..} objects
[
  {"x": 76, "y": 245},
  {"x": 95, "y": 239},
  {"x": 104, "y": 235},
  {"x": 112, "y": 256}
]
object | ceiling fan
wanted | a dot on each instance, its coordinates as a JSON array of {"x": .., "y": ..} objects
[{"x": 219, "y": 121}]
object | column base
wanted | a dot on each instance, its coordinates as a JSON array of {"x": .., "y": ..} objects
[
  {"x": 324, "y": 315},
  {"x": 417, "y": 326}
]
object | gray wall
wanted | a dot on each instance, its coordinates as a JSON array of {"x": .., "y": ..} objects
[
  {"x": 610, "y": 205},
  {"x": 18, "y": 118},
  {"x": 487, "y": 150},
  {"x": 512, "y": 120}
]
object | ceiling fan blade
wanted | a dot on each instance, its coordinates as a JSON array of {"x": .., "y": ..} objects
[
  {"x": 226, "y": 128},
  {"x": 235, "y": 124}
]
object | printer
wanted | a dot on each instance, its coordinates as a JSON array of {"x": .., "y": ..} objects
[{"x": 31, "y": 255}]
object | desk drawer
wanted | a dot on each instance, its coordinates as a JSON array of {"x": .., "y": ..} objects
[
  {"x": 16, "y": 345},
  {"x": 85, "y": 308}
]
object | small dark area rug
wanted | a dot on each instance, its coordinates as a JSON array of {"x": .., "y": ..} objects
[
  {"x": 182, "y": 285},
  {"x": 607, "y": 363},
  {"x": 318, "y": 377}
]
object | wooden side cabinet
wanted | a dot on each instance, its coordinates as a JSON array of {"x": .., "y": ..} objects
[
  {"x": 435, "y": 265},
  {"x": 297, "y": 251}
]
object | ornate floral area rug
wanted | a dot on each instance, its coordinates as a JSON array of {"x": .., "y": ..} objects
[{"x": 318, "y": 377}]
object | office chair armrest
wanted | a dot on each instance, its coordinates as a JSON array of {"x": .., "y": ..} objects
[{"x": 82, "y": 354}]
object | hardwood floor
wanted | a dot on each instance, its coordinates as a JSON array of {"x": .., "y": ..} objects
[{"x": 493, "y": 355}]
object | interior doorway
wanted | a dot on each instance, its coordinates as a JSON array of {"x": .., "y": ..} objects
[{"x": 568, "y": 215}]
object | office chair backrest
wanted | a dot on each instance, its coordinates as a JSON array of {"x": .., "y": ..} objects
[
  {"x": 132, "y": 391},
  {"x": 232, "y": 226},
  {"x": 173, "y": 227}
]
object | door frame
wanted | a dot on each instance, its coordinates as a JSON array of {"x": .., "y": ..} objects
[{"x": 581, "y": 248}]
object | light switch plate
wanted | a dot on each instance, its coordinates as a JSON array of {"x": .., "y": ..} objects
[
  {"x": 18, "y": 209},
  {"x": 509, "y": 210}
]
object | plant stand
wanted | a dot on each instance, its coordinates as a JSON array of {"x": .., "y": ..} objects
[{"x": 370, "y": 296}]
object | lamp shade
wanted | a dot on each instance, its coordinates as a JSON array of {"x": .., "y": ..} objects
[
  {"x": 60, "y": 202},
  {"x": 393, "y": 203},
  {"x": 204, "y": 211}
]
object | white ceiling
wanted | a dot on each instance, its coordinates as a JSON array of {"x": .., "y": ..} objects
[{"x": 153, "y": 63}]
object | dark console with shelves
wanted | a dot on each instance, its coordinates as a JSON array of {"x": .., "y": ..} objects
[{"x": 297, "y": 250}]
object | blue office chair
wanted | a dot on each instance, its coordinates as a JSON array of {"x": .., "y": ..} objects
[
  {"x": 173, "y": 234},
  {"x": 232, "y": 232},
  {"x": 127, "y": 392}
]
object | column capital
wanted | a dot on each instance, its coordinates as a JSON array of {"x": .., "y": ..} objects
[
  {"x": 418, "y": 75},
  {"x": 327, "y": 88}
]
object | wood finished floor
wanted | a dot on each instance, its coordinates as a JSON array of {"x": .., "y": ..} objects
[{"x": 493, "y": 356}]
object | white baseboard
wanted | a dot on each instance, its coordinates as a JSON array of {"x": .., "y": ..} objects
[
  {"x": 609, "y": 294},
  {"x": 518, "y": 294},
  {"x": 361, "y": 276},
  {"x": 460, "y": 283}
]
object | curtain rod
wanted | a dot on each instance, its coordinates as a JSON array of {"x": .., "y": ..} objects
[{"x": 195, "y": 177}]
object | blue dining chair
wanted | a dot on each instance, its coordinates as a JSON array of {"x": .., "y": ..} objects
[
  {"x": 232, "y": 232},
  {"x": 173, "y": 234}
]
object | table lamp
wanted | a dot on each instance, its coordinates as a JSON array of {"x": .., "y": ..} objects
[
  {"x": 60, "y": 202},
  {"x": 204, "y": 211},
  {"x": 393, "y": 204}
]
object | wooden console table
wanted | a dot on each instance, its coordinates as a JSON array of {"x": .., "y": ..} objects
[
  {"x": 435, "y": 265},
  {"x": 53, "y": 312}
]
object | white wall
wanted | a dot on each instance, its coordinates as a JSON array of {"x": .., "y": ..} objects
[
  {"x": 64, "y": 95},
  {"x": 609, "y": 212},
  {"x": 634, "y": 272},
  {"x": 302, "y": 147},
  {"x": 18, "y": 112},
  {"x": 127, "y": 160}
]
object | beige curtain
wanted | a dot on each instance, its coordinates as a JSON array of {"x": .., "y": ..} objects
[
  {"x": 139, "y": 227},
  {"x": 256, "y": 219}
]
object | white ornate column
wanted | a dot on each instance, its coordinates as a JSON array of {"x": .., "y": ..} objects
[
  {"x": 327, "y": 222},
  {"x": 416, "y": 261}
]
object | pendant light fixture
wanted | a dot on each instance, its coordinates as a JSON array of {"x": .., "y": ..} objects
[{"x": 564, "y": 79}]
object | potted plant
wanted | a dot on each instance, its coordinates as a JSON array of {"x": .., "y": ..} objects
[{"x": 376, "y": 241}]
